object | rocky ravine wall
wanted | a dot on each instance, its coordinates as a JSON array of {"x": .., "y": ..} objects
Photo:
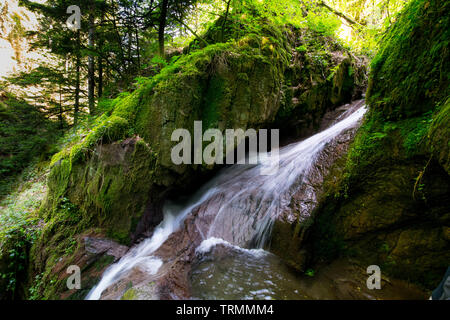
[{"x": 388, "y": 201}]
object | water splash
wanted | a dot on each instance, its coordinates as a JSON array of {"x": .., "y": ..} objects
[{"x": 207, "y": 245}]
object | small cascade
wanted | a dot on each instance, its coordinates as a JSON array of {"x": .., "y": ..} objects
[{"x": 237, "y": 207}]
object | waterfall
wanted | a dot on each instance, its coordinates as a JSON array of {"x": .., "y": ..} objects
[{"x": 245, "y": 203}]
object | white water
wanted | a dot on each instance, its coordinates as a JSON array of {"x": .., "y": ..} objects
[
  {"x": 249, "y": 202},
  {"x": 141, "y": 254},
  {"x": 210, "y": 243}
]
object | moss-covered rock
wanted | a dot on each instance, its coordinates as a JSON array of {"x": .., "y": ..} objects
[
  {"x": 108, "y": 193},
  {"x": 394, "y": 216},
  {"x": 89, "y": 251},
  {"x": 439, "y": 135},
  {"x": 389, "y": 206},
  {"x": 110, "y": 190},
  {"x": 390, "y": 191},
  {"x": 321, "y": 76},
  {"x": 421, "y": 35}
]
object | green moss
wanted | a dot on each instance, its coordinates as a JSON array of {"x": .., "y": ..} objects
[
  {"x": 411, "y": 71},
  {"x": 405, "y": 139},
  {"x": 372, "y": 211},
  {"x": 130, "y": 294},
  {"x": 214, "y": 97},
  {"x": 439, "y": 136}
]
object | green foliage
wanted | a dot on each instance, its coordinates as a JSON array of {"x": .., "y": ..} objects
[
  {"x": 323, "y": 23},
  {"x": 377, "y": 135},
  {"x": 310, "y": 272},
  {"x": 25, "y": 134},
  {"x": 411, "y": 72},
  {"x": 18, "y": 232},
  {"x": 35, "y": 289},
  {"x": 439, "y": 135},
  {"x": 414, "y": 132},
  {"x": 20, "y": 228},
  {"x": 366, "y": 147}
]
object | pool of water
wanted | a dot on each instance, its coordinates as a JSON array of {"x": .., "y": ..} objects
[{"x": 229, "y": 272}]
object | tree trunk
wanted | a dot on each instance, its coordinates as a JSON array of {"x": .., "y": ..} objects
[
  {"x": 60, "y": 114},
  {"x": 138, "y": 51},
  {"x": 162, "y": 26},
  {"x": 91, "y": 71},
  {"x": 225, "y": 20},
  {"x": 77, "y": 83},
  {"x": 100, "y": 78}
]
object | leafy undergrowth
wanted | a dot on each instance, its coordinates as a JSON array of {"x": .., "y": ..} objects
[
  {"x": 25, "y": 135},
  {"x": 19, "y": 227},
  {"x": 20, "y": 222}
]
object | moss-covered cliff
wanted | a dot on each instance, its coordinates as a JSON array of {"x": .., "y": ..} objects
[
  {"x": 388, "y": 202},
  {"x": 409, "y": 75}
]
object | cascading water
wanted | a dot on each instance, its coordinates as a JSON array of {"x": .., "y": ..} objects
[
  {"x": 141, "y": 254},
  {"x": 244, "y": 205}
]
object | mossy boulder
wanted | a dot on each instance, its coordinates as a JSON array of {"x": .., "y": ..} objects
[
  {"x": 109, "y": 190},
  {"x": 109, "y": 195},
  {"x": 387, "y": 204}
]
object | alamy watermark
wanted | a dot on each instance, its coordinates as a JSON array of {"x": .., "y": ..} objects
[
  {"x": 74, "y": 280},
  {"x": 374, "y": 281},
  {"x": 221, "y": 147},
  {"x": 74, "y": 21}
]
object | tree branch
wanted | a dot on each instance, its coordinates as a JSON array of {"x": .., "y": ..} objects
[
  {"x": 192, "y": 31},
  {"x": 340, "y": 14}
]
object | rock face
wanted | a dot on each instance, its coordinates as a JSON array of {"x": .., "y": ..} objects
[
  {"x": 115, "y": 171},
  {"x": 387, "y": 203},
  {"x": 93, "y": 254},
  {"x": 381, "y": 223},
  {"x": 117, "y": 176},
  {"x": 98, "y": 246},
  {"x": 289, "y": 228},
  {"x": 113, "y": 186}
]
